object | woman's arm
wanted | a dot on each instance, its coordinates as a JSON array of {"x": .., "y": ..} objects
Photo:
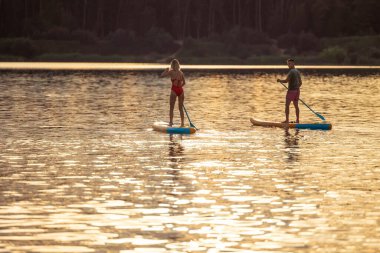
[
  {"x": 183, "y": 79},
  {"x": 165, "y": 73}
]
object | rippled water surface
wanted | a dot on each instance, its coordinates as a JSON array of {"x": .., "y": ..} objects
[{"x": 82, "y": 170}]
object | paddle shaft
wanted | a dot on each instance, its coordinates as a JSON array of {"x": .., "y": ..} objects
[
  {"x": 187, "y": 115},
  {"x": 317, "y": 114}
]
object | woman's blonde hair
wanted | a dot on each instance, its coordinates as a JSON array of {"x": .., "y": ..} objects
[{"x": 174, "y": 64}]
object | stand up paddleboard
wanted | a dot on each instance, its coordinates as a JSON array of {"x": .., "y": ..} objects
[
  {"x": 312, "y": 126},
  {"x": 165, "y": 128}
]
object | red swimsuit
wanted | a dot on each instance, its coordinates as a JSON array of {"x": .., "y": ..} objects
[{"x": 176, "y": 88}]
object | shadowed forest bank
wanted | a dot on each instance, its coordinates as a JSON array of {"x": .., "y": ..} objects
[{"x": 197, "y": 31}]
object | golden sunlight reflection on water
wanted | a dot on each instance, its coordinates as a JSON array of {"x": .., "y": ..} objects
[{"x": 82, "y": 171}]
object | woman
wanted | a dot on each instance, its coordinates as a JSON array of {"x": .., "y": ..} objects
[{"x": 178, "y": 81}]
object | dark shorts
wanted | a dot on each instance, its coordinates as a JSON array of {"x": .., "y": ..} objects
[{"x": 293, "y": 95}]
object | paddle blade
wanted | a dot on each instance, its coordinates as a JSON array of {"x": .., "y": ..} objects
[
  {"x": 317, "y": 114},
  {"x": 192, "y": 125},
  {"x": 320, "y": 116}
]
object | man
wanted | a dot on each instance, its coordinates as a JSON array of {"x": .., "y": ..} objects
[{"x": 294, "y": 83}]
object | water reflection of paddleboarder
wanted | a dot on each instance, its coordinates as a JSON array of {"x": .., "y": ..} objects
[
  {"x": 175, "y": 157},
  {"x": 291, "y": 144},
  {"x": 175, "y": 149}
]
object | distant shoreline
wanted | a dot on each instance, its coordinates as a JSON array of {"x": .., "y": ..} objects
[{"x": 118, "y": 66}]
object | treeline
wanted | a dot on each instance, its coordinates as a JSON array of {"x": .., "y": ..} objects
[
  {"x": 208, "y": 31},
  {"x": 188, "y": 18}
]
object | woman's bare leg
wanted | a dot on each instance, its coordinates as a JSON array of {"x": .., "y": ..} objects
[
  {"x": 173, "y": 98},
  {"x": 181, "y": 99}
]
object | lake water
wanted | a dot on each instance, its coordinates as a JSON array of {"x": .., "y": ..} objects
[{"x": 82, "y": 170}]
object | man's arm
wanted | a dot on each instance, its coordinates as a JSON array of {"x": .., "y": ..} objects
[
  {"x": 299, "y": 80},
  {"x": 284, "y": 81},
  {"x": 288, "y": 77}
]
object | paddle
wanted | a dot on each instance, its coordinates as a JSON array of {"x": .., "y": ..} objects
[
  {"x": 191, "y": 124},
  {"x": 319, "y": 115}
]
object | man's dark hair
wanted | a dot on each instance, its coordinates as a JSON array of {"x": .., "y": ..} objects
[{"x": 291, "y": 59}]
